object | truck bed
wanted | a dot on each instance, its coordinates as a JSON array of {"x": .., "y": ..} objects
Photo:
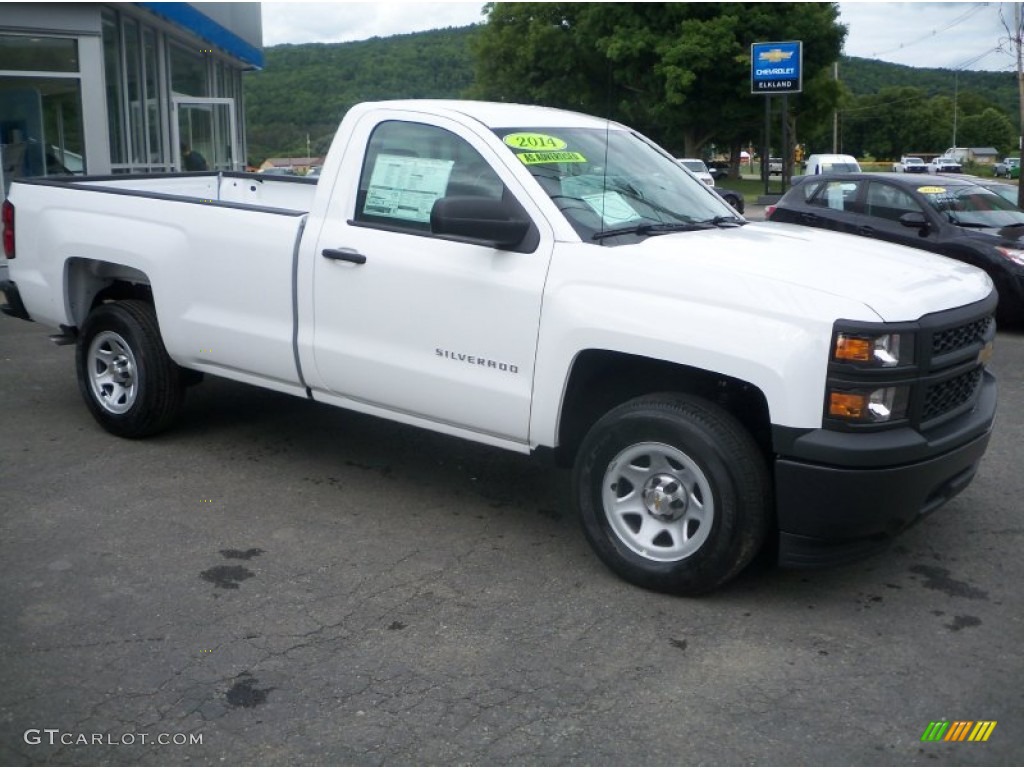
[
  {"x": 219, "y": 251},
  {"x": 253, "y": 189}
]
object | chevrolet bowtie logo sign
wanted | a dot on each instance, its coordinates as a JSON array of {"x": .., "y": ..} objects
[
  {"x": 775, "y": 55},
  {"x": 776, "y": 67}
]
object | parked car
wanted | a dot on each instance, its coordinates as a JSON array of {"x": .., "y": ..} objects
[
  {"x": 945, "y": 165},
  {"x": 952, "y": 216},
  {"x": 698, "y": 169},
  {"x": 774, "y": 166},
  {"x": 1008, "y": 168},
  {"x": 719, "y": 169},
  {"x": 817, "y": 164},
  {"x": 1006, "y": 191},
  {"x": 282, "y": 171},
  {"x": 733, "y": 198},
  {"x": 909, "y": 164}
]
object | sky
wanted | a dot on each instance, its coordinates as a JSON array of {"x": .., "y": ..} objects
[{"x": 948, "y": 35}]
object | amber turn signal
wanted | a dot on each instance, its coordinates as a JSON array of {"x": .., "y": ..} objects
[
  {"x": 853, "y": 348},
  {"x": 846, "y": 405}
]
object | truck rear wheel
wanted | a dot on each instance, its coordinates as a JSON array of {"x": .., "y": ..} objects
[
  {"x": 673, "y": 493},
  {"x": 130, "y": 384}
]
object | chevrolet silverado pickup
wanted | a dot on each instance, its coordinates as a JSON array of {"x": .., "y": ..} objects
[{"x": 549, "y": 283}]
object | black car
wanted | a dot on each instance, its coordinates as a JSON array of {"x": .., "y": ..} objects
[
  {"x": 735, "y": 199},
  {"x": 951, "y": 216}
]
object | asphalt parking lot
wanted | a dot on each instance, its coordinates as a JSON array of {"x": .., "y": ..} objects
[{"x": 277, "y": 582}]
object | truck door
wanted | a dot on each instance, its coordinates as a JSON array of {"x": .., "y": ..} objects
[{"x": 416, "y": 324}]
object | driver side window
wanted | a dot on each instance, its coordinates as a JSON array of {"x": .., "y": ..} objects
[
  {"x": 409, "y": 166},
  {"x": 885, "y": 201}
]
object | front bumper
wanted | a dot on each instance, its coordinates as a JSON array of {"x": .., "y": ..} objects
[{"x": 870, "y": 490}]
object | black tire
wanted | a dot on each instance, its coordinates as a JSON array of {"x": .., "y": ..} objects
[
  {"x": 130, "y": 384},
  {"x": 702, "y": 468}
]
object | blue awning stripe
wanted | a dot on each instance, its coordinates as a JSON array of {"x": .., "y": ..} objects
[{"x": 189, "y": 17}]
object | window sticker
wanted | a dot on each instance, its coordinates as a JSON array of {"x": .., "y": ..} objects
[
  {"x": 534, "y": 141},
  {"x": 931, "y": 190},
  {"x": 536, "y": 158},
  {"x": 406, "y": 187},
  {"x": 611, "y": 207}
]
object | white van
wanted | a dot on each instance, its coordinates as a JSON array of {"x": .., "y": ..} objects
[{"x": 831, "y": 164}]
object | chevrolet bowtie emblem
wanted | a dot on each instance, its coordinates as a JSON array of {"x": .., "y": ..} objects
[{"x": 775, "y": 55}]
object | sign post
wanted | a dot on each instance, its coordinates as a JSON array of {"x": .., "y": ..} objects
[{"x": 776, "y": 68}]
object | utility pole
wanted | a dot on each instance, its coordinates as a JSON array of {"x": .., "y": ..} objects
[
  {"x": 835, "y": 113},
  {"x": 956, "y": 94},
  {"x": 1020, "y": 91}
]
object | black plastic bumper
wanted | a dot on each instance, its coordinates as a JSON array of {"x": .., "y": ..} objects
[
  {"x": 14, "y": 306},
  {"x": 835, "y": 513}
]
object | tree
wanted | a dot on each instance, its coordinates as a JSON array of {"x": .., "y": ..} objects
[
  {"x": 989, "y": 129},
  {"x": 679, "y": 72}
]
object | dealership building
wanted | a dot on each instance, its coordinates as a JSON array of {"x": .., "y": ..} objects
[{"x": 124, "y": 87}]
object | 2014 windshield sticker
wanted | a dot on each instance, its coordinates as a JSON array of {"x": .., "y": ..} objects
[
  {"x": 931, "y": 190},
  {"x": 534, "y": 141},
  {"x": 536, "y": 158}
]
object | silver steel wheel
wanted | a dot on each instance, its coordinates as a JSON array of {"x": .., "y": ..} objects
[
  {"x": 658, "y": 502},
  {"x": 113, "y": 372}
]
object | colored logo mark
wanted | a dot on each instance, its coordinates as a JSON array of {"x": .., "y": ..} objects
[
  {"x": 959, "y": 730},
  {"x": 775, "y": 55}
]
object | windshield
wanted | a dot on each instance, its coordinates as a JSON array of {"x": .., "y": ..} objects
[
  {"x": 697, "y": 166},
  {"x": 973, "y": 206},
  {"x": 839, "y": 168},
  {"x": 614, "y": 186}
]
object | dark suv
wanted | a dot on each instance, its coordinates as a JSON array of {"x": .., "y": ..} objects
[{"x": 951, "y": 216}]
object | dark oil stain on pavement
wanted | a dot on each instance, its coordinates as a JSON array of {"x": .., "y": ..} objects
[
  {"x": 227, "y": 576},
  {"x": 244, "y": 692},
  {"x": 959, "y": 622},
  {"x": 938, "y": 578},
  {"x": 239, "y": 554}
]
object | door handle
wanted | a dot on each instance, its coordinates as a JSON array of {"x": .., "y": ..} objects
[{"x": 343, "y": 254}]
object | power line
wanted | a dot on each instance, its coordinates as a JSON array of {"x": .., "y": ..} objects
[{"x": 958, "y": 20}]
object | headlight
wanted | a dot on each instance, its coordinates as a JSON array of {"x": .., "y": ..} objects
[
  {"x": 1016, "y": 255},
  {"x": 869, "y": 406},
  {"x": 886, "y": 350}
]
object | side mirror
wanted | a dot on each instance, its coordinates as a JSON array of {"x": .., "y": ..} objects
[
  {"x": 483, "y": 220},
  {"x": 915, "y": 220}
]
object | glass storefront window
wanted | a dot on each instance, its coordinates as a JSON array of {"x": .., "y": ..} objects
[
  {"x": 40, "y": 127},
  {"x": 154, "y": 112},
  {"x": 29, "y": 53},
  {"x": 188, "y": 72},
  {"x": 112, "y": 72},
  {"x": 133, "y": 79}
]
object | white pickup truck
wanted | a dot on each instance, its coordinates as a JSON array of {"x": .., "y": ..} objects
[
  {"x": 908, "y": 164},
  {"x": 549, "y": 283}
]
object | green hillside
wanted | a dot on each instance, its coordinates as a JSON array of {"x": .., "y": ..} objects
[{"x": 306, "y": 89}]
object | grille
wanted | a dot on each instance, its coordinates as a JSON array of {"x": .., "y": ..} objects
[
  {"x": 953, "y": 339},
  {"x": 950, "y": 394}
]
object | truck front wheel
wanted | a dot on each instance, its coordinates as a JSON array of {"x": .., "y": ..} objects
[
  {"x": 130, "y": 384},
  {"x": 673, "y": 493}
]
